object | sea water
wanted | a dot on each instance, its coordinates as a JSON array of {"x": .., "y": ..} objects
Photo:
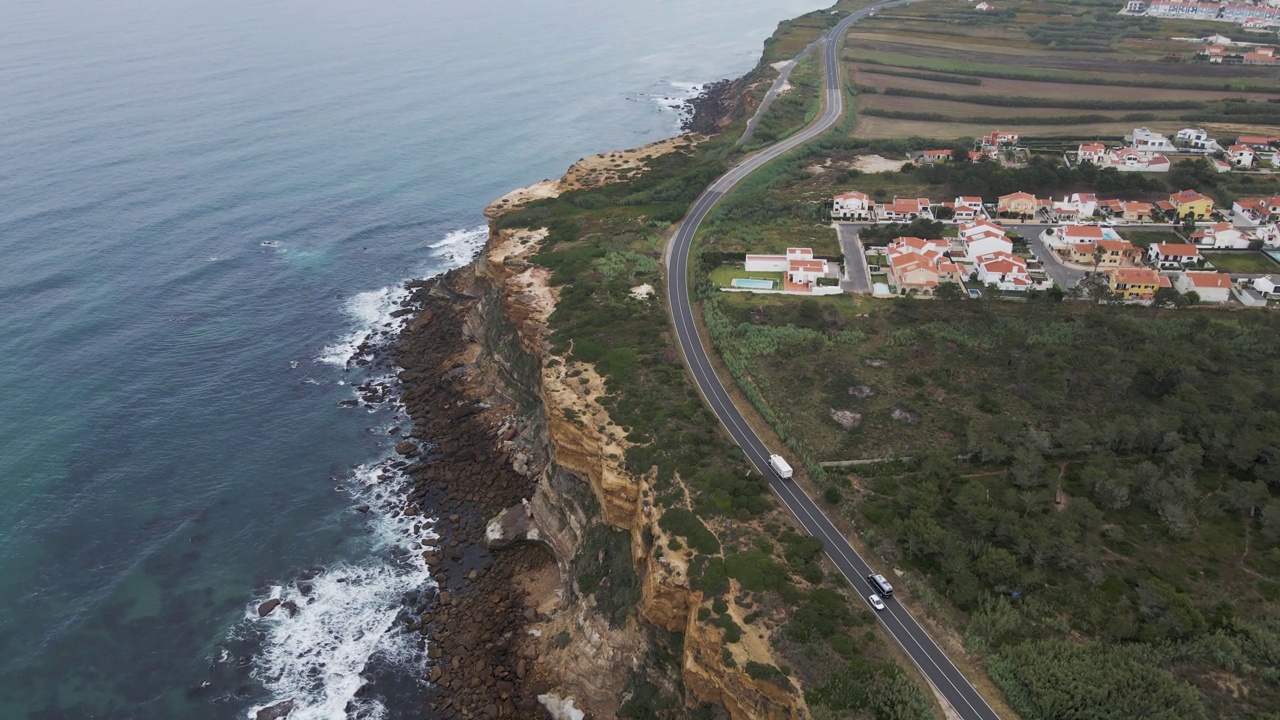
[{"x": 205, "y": 209}]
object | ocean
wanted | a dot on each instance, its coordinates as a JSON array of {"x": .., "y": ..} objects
[{"x": 204, "y": 209}]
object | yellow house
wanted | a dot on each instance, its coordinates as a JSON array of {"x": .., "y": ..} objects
[
  {"x": 1190, "y": 202},
  {"x": 1105, "y": 253},
  {"x": 1018, "y": 203},
  {"x": 1134, "y": 283}
]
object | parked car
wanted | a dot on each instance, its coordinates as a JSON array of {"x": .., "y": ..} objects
[{"x": 876, "y": 602}]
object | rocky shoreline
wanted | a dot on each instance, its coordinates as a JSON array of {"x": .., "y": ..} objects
[{"x": 474, "y": 623}]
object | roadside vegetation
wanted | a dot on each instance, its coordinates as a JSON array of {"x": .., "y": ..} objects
[{"x": 1088, "y": 492}]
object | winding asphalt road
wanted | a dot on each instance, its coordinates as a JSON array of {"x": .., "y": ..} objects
[{"x": 932, "y": 661}]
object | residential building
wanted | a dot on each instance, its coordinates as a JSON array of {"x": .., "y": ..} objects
[
  {"x": 970, "y": 205},
  {"x": 1241, "y": 156},
  {"x": 905, "y": 209},
  {"x": 1133, "y": 283},
  {"x": 1135, "y": 211},
  {"x": 1212, "y": 287},
  {"x": 1091, "y": 153},
  {"x": 1173, "y": 256},
  {"x": 1076, "y": 234},
  {"x": 852, "y": 206},
  {"x": 1220, "y": 165},
  {"x": 1258, "y": 142},
  {"x": 917, "y": 266},
  {"x": 1220, "y": 236},
  {"x": 1000, "y": 137},
  {"x": 1196, "y": 139},
  {"x": 1004, "y": 270},
  {"x": 1267, "y": 286},
  {"x": 1269, "y": 234},
  {"x": 799, "y": 265},
  {"x": 1184, "y": 9},
  {"x": 931, "y": 156},
  {"x": 1103, "y": 254},
  {"x": 984, "y": 237},
  {"x": 1133, "y": 160},
  {"x": 1147, "y": 142},
  {"x": 1017, "y": 204},
  {"x": 1135, "y": 7},
  {"x": 1190, "y": 202},
  {"x": 1249, "y": 212}
]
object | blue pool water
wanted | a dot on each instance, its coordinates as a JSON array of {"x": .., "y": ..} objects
[{"x": 752, "y": 284}]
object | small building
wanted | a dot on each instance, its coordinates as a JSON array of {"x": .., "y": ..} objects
[
  {"x": 1212, "y": 287},
  {"x": 1004, "y": 270},
  {"x": 970, "y": 206},
  {"x": 852, "y": 206},
  {"x": 1249, "y": 212},
  {"x": 1173, "y": 256},
  {"x": 1190, "y": 202},
  {"x": 1220, "y": 236},
  {"x": 1136, "y": 211},
  {"x": 1268, "y": 286},
  {"x": 1133, "y": 283},
  {"x": 1197, "y": 139},
  {"x": 1257, "y": 142}
]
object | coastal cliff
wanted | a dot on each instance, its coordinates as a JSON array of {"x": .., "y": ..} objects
[{"x": 555, "y": 461}]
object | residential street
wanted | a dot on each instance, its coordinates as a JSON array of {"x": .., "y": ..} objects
[
  {"x": 857, "y": 276},
  {"x": 1062, "y": 275}
]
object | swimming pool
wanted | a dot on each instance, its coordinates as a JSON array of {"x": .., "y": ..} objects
[{"x": 752, "y": 284}]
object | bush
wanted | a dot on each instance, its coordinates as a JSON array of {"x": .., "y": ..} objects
[
  {"x": 832, "y": 495},
  {"x": 682, "y": 522}
]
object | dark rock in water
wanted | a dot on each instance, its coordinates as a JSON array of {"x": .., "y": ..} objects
[
  {"x": 348, "y": 403},
  {"x": 362, "y": 508},
  {"x": 265, "y": 609},
  {"x": 406, "y": 448},
  {"x": 275, "y": 712},
  {"x": 305, "y": 589},
  {"x": 401, "y": 313},
  {"x": 290, "y": 606}
]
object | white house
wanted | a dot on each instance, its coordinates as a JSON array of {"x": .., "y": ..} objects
[
  {"x": 1078, "y": 234},
  {"x": 1147, "y": 142},
  {"x": 1269, "y": 234},
  {"x": 905, "y": 209},
  {"x": 971, "y": 206},
  {"x": 852, "y": 206},
  {"x": 1268, "y": 286},
  {"x": 1173, "y": 256},
  {"x": 799, "y": 265},
  {"x": 1212, "y": 287},
  {"x": 1241, "y": 156},
  {"x": 983, "y": 237},
  {"x": 1004, "y": 270},
  {"x": 1220, "y": 235},
  {"x": 1133, "y": 160},
  {"x": 1197, "y": 139},
  {"x": 1091, "y": 152}
]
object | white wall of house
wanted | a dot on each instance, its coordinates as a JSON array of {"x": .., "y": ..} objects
[{"x": 767, "y": 263}]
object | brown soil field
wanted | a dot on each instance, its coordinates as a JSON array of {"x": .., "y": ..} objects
[
  {"x": 954, "y": 43},
  {"x": 949, "y": 108},
  {"x": 990, "y": 54},
  {"x": 886, "y": 128},
  {"x": 866, "y": 75}
]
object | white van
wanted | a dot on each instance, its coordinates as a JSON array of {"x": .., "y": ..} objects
[
  {"x": 780, "y": 466},
  {"x": 877, "y": 581}
]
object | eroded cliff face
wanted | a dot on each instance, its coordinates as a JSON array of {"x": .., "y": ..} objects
[{"x": 562, "y": 435}]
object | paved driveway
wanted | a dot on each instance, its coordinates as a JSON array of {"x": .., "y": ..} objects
[{"x": 857, "y": 276}]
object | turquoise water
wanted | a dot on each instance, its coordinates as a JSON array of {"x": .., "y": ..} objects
[
  {"x": 753, "y": 284},
  {"x": 171, "y": 447}
]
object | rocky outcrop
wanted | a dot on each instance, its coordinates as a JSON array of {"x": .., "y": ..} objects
[{"x": 558, "y": 435}]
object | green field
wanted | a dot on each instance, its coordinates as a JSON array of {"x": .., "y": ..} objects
[{"x": 1242, "y": 261}]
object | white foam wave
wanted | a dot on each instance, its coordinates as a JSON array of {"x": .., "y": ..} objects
[
  {"x": 314, "y": 657},
  {"x": 673, "y": 97},
  {"x": 460, "y": 246},
  {"x": 369, "y": 312}
]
